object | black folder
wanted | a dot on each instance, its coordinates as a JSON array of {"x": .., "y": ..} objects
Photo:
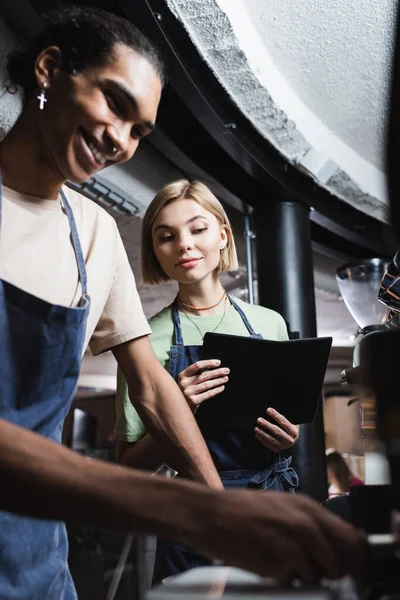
[{"x": 287, "y": 376}]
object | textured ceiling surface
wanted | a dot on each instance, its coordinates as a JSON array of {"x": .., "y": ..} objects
[
  {"x": 311, "y": 76},
  {"x": 337, "y": 57}
]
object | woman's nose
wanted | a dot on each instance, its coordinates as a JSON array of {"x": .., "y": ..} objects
[{"x": 185, "y": 242}]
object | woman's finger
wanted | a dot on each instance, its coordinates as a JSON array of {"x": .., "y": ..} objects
[
  {"x": 267, "y": 440},
  {"x": 283, "y": 422},
  {"x": 199, "y": 388},
  {"x": 198, "y": 366},
  {"x": 275, "y": 431},
  {"x": 210, "y": 377},
  {"x": 199, "y": 398},
  {"x": 211, "y": 374}
]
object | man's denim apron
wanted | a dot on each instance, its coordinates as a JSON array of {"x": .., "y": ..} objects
[
  {"x": 241, "y": 460},
  {"x": 40, "y": 354}
]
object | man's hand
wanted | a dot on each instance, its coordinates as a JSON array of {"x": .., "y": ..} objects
[
  {"x": 277, "y": 437},
  {"x": 270, "y": 533},
  {"x": 279, "y": 535}
]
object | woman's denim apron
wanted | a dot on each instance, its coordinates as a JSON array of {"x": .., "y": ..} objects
[
  {"x": 241, "y": 460},
  {"x": 40, "y": 355}
]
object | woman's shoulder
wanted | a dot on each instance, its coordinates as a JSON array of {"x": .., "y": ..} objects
[
  {"x": 264, "y": 320},
  {"x": 162, "y": 321},
  {"x": 162, "y": 333},
  {"x": 258, "y": 310}
]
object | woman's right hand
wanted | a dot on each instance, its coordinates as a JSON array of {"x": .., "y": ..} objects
[{"x": 201, "y": 381}]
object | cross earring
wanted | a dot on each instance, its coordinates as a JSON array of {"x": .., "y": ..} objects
[{"x": 42, "y": 97}]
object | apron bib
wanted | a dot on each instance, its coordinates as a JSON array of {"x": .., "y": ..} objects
[
  {"x": 40, "y": 355},
  {"x": 241, "y": 460}
]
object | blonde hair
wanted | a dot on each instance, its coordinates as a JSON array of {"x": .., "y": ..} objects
[{"x": 182, "y": 189}]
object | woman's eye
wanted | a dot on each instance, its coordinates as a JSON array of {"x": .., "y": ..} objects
[
  {"x": 199, "y": 230},
  {"x": 165, "y": 238}
]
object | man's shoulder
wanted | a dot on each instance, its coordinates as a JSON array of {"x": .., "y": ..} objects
[{"x": 88, "y": 210}]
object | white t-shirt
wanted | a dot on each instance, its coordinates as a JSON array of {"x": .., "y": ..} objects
[{"x": 36, "y": 255}]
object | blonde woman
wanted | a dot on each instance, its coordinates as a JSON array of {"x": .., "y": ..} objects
[{"x": 187, "y": 237}]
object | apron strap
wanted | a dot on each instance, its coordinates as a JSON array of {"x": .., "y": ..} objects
[
  {"x": 177, "y": 324},
  {"x": 265, "y": 479},
  {"x": 244, "y": 318},
  {"x": 74, "y": 237},
  {"x": 178, "y": 327},
  {"x": 80, "y": 261}
]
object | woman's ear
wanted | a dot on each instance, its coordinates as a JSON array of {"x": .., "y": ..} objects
[
  {"x": 224, "y": 238},
  {"x": 47, "y": 66}
]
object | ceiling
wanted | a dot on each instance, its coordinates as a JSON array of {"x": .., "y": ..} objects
[
  {"x": 312, "y": 77},
  {"x": 336, "y": 57}
]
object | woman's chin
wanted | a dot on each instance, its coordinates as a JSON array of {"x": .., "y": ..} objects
[{"x": 186, "y": 278}]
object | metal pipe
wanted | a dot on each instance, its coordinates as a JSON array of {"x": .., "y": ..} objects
[
  {"x": 248, "y": 236},
  {"x": 286, "y": 284}
]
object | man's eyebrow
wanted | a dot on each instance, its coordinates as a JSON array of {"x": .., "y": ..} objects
[
  {"x": 165, "y": 226},
  {"x": 131, "y": 99}
]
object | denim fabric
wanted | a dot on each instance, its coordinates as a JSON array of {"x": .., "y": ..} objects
[
  {"x": 241, "y": 460},
  {"x": 40, "y": 354}
]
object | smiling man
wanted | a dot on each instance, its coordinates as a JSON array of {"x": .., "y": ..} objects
[{"x": 92, "y": 87}]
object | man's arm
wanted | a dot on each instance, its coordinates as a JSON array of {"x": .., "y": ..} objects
[
  {"x": 271, "y": 534},
  {"x": 165, "y": 412}
]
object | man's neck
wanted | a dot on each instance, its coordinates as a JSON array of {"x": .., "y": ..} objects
[{"x": 23, "y": 165}]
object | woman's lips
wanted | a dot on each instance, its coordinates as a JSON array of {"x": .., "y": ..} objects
[{"x": 188, "y": 264}]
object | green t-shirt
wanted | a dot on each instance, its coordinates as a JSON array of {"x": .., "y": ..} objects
[{"x": 129, "y": 427}]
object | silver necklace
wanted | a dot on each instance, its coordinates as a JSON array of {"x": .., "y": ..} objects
[{"x": 198, "y": 328}]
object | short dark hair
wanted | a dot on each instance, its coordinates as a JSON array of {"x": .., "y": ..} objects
[{"x": 86, "y": 38}]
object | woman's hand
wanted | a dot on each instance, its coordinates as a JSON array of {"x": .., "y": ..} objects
[
  {"x": 276, "y": 437},
  {"x": 201, "y": 381}
]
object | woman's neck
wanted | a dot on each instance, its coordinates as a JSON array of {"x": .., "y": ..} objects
[
  {"x": 23, "y": 166},
  {"x": 202, "y": 294}
]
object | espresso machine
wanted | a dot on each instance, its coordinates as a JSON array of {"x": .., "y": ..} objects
[
  {"x": 359, "y": 284},
  {"x": 372, "y": 381},
  {"x": 376, "y": 507}
]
